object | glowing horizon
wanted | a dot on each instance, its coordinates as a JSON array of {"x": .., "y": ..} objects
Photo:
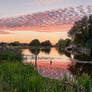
[
  {"x": 26, "y": 37},
  {"x": 42, "y": 33}
]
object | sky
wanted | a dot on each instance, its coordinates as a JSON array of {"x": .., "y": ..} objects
[
  {"x": 31, "y": 35},
  {"x": 11, "y": 8}
]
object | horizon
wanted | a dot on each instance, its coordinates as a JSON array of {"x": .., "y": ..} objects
[{"x": 41, "y": 38}]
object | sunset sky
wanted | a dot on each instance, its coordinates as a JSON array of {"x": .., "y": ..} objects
[{"x": 13, "y": 8}]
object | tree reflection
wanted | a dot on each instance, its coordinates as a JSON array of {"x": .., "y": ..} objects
[
  {"x": 35, "y": 51},
  {"x": 46, "y": 50},
  {"x": 63, "y": 52},
  {"x": 83, "y": 57},
  {"x": 80, "y": 68}
]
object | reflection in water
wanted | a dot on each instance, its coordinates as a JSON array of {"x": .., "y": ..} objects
[
  {"x": 80, "y": 68},
  {"x": 83, "y": 57},
  {"x": 62, "y": 51},
  {"x": 54, "y": 69},
  {"x": 50, "y": 62},
  {"x": 57, "y": 68},
  {"x": 46, "y": 50},
  {"x": 35, "y": 52}
]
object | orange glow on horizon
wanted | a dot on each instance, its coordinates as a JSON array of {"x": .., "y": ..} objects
[{"x": 25, "y": 35}]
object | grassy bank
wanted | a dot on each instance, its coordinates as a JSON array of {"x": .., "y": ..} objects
[
  {"x": 10, "y": 54},
  {"x": 16, "y": 77}
]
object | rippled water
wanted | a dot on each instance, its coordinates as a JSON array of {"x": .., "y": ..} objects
[{"x": 53, "y": 64}]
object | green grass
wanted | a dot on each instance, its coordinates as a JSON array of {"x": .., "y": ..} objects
[{"x": 16, "y": 77}]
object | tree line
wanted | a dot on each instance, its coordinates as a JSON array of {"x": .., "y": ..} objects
[{"x": 36, "y": 43}]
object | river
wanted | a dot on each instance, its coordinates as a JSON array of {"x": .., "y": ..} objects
[{"x": 54, "y": 64}]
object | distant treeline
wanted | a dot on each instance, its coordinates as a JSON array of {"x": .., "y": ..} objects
[{"x": 36, "y": 43}]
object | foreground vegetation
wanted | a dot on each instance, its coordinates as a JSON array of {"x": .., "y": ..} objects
[{"x": 16, "y": 77}]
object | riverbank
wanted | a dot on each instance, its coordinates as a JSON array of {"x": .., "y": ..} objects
[
  {"x": 28, "y": 47},
  {"x": 16, "y": 77}
]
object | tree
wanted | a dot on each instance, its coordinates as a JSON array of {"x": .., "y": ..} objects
[
  {"x": 63, "y": 43},
  {"x": 46, "y": 43},
  {"x": 35, "y": 43},
  {"x": 16, "y": 43},
  {"x": 81, "y": 32}
]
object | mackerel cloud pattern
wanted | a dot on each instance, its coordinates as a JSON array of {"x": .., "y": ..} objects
[{"x": 60, "y": 16}]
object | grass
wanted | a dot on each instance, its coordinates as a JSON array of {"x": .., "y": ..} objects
[{"x": 16, "y": 77}]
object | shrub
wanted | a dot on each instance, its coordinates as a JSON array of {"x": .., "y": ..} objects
[{"x": 11, "y": 54}]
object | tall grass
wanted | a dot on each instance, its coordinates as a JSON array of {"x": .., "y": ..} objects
[{"x": 16, "y": 77}]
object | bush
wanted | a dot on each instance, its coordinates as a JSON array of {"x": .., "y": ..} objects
[{"x": 11, "y": 54}]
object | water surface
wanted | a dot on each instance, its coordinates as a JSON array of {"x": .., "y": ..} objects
[{"x": 55, "y": 64}]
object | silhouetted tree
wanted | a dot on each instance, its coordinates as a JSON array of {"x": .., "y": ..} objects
[
  {"x": 34, "y": 43},
  {"x": 16, "y": 43},
  {"x": 63, "y": 43},
  {"x": 81, "y": 32},
  {"x": 46, "y": 44}
]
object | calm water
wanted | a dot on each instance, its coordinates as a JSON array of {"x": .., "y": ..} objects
[{"x": 55, "y": 64}]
